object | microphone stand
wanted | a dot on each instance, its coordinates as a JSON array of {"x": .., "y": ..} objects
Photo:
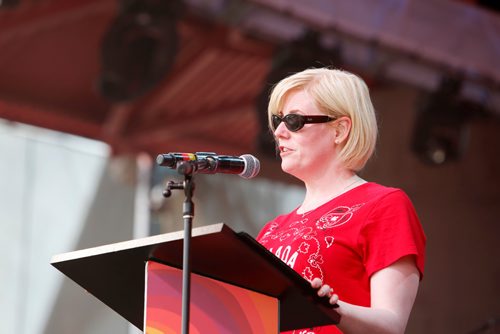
[{"x": 187, "y": 168}]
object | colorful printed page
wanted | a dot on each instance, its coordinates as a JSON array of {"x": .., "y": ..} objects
[{"x": 216, "y": 307}]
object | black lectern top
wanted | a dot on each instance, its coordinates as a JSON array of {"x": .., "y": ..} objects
[{"x": 115, "y": 273}]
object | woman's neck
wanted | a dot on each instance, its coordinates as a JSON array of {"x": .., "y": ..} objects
[{"x": 323, "y": 189}]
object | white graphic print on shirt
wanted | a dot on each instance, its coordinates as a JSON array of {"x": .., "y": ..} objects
[{"x": 307, "y": 239}]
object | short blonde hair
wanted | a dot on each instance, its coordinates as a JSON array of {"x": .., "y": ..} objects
[{"x": 336, "y": 93}]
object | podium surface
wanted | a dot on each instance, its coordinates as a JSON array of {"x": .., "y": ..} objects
[{"x": 115, "y": 273}]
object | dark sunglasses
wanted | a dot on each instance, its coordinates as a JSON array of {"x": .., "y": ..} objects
[{"x": 295, "y": 122}]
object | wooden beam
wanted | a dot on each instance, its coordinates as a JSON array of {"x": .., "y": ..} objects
[
  {"x": 29, "y": 20},
  {"x": 58, "y": 120}
]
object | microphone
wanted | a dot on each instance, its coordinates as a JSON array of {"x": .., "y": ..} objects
[{"x": 247, "y": 166}]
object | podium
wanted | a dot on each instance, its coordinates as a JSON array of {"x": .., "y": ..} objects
[{"x": 131, "y": 277}]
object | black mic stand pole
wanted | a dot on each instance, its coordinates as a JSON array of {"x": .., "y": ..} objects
[{"x": 187, "y": 169}]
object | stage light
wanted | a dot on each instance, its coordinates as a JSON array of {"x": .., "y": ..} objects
[
  {"x": 139, "y": 48},
  {"x": 440, "y": 132}
]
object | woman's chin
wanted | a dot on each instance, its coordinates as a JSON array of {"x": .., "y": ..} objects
[{"x": 289, "y": 168}]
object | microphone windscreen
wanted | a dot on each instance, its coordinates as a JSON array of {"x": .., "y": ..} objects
[{"x": 252, "y": 166}]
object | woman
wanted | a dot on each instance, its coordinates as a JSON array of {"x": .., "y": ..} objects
[{"x": 359, "y": 243}]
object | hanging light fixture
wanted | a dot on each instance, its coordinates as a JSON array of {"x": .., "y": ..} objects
[
  {"x": 139, "y": 48},
  {"x": 440, "y": 133}
]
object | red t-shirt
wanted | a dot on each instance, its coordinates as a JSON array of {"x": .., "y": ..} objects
[{"x": 346, "y": 240}]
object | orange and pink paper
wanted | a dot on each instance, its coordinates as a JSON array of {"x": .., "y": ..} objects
[{"x": 216, "y": 307}]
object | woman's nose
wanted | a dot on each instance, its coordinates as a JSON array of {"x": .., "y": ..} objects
[{"x": 281, "y": 130}]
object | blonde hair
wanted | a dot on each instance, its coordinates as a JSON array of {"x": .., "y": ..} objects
[{"x": 336, "y": 93}]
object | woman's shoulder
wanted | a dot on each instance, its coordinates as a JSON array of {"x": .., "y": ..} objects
[
  {"x": 374, "y": 192},
  {"x": 378, "y": 190}
]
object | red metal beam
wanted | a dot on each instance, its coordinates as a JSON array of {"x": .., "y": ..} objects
[{"x": 49, "y": 118}]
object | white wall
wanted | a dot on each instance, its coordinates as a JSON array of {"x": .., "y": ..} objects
[{"x": 48, "y": 183}]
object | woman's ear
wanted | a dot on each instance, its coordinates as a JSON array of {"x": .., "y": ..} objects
[{"x": 342, "y": 129}]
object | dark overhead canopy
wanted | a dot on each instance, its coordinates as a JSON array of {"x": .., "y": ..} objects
[{"x": 216, "y": 60}]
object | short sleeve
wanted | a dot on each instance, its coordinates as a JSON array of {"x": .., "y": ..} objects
[{"x": 391, "y": 232}]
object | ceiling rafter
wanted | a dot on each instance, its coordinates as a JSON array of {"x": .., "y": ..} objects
[
  {"x": 37, "y": 19},
  {"x": 239, "y": 111},
  {"x": 49, "y": 118}
]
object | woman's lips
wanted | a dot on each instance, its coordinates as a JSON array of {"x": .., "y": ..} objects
[{"x": 284, "y": 150}]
